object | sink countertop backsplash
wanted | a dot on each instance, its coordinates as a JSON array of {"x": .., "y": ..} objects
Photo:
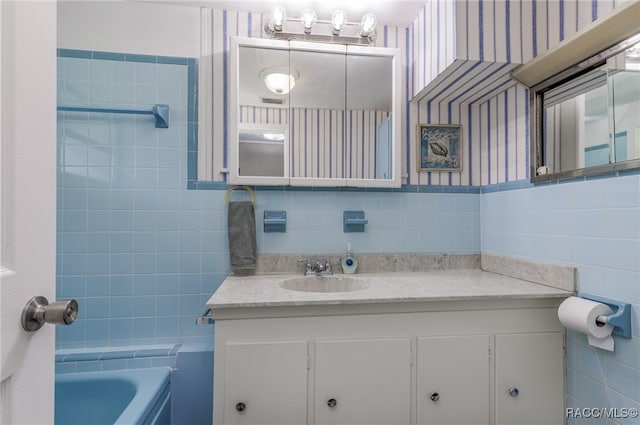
[{"x": 371, "y": 263}]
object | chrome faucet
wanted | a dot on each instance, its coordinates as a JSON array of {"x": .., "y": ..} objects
[{"x": 318, "y": 268}]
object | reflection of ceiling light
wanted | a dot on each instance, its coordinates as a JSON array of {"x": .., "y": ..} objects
[
  {"x": 274, "y": 136},
  {"x": 279, "y": 79}
]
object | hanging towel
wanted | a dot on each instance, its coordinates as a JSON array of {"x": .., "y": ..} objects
[{"x": 242, "y": 237}]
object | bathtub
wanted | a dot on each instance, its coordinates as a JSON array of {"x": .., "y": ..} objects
[{"x": 131, "y": 397}]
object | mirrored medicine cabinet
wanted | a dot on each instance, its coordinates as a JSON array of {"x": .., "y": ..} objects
[
  {"x": 585, "y": 119},
  {"x": 313, "y": 114}
]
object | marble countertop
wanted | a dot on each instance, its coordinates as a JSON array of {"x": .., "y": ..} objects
[{"x": 451, "y": 285}]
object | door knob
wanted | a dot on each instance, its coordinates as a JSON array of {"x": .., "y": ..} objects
[
  {"x": 332, "y": 402},
  {"x": 241, "y": 407},
  {"x": 434, "y": 396},
  {"x": 514, "y": 392},
  {"x": 38, "y": 311}
]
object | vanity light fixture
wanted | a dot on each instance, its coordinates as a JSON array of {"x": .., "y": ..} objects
[
  {"x": 336, "y": 30},
  {"x": 279, "y": 79}
]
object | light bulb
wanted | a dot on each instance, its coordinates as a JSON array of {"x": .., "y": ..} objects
[
  {"x": 368, "y": 24},
  {"x": 338, "y": 19},
  {"x": 309, "y": 18},
  {"x": 278, "y": 16}
]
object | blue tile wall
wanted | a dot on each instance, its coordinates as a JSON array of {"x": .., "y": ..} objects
[
  {"x": 594, "y": 225},
  {"x": 142, "y": 254},
  {"x": 128, "y": 247}
]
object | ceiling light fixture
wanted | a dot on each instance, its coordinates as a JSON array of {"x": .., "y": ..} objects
[
  {"x": 279, "y": 79},
  {"x": 336, "y": 30}
]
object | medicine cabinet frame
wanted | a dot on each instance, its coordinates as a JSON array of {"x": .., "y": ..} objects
[
  {"x": 288, "y": 179},
  {"x": 594, "y": 48}
]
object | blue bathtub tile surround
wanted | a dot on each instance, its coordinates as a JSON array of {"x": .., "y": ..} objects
[
  {"x": 93, "y": 360},
  {"x": 592, "y": 224},
  {"x": 129, "y": 246}
]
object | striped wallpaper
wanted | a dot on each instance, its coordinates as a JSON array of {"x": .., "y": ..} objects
[
  {"x": 458, "y": 56},
  {"x": 473, "y": 88}
]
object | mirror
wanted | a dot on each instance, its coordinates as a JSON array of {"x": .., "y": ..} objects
[
  {"x": 261, "y": 150},
  {"x": 333, "y": 112},
  {"x": 589, "y": 122}
]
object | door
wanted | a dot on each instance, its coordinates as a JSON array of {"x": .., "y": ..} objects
[
  {"x": 265, "y": 383},
  {"x": 530, "y": 379},
  {"x": 363, "y": 381},
  {"x": 27, "y": 208},
  {"x": 453, "y": 380}
]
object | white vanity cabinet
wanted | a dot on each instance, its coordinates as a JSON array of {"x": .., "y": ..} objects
[{"x": 437, "y": 363}]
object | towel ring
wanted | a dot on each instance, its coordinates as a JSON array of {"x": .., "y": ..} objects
[{"x": 247, "y": 188}]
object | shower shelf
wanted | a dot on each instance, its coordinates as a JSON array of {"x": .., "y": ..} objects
[{"x": 159, "y": 111}]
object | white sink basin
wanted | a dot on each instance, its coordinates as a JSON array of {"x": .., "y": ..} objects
[{"x": 324, "y": 284}]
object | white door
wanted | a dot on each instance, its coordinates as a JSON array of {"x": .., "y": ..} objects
[
  {"x": 265, "y": 383},
  {"x": 27, "y": 208},
  {"x": 530, "y": 379},
  {"x": 363, "y": 382},
  {"x": 453, "y": 372}
]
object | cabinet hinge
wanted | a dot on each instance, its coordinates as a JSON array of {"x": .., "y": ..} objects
[{"x": 308, "y": 362}]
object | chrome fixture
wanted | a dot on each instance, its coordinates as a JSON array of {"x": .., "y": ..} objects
[
  {"x": 205, "y": 318},
  {"x": 336, "y": 30},
  {"x": 38, "y": 311},
  {"x": 317, "y": 268}
]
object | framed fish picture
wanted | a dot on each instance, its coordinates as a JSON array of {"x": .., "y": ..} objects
[{"x": 439, "y": 147}]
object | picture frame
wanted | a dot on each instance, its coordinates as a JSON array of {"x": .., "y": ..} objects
[{"x": 439, "y": 147}]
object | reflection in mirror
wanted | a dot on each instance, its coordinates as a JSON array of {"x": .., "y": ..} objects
[
  {"x": 592, "y": 119},
  {"x": 369, "y": 105},
  {"x": 262, "y": 111},
  {"x": 317, "y": 115},
  {"x": 262, "y": 151}
]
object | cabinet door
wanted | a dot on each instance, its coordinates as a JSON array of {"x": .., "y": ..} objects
[
  {"x": 363, "y": 381},
  {"x": 453, "y": 380},
  {"x": 530, "y": 379},
  {"x": 265, "y": 383}
]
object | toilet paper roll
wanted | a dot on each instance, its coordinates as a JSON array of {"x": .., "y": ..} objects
[{"x": 581, "y": 315}]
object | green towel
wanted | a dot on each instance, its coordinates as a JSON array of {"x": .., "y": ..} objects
[{"x": 242, "y": 237}]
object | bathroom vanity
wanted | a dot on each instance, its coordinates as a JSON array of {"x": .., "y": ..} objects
[{"x": 441, "y": 347}]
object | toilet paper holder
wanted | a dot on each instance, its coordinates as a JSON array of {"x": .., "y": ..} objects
[{"x": 621, "y": 317}]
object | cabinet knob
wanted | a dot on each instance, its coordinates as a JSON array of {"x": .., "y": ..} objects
[
  {"x": 241, "y": 407},
  {"x": 514, "y": 392},
  {"x": 332, "y": 403},
  {"x": 434, "y": 397}
]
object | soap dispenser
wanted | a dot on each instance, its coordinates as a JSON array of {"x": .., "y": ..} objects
[{"x": 349, "y": 263}]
